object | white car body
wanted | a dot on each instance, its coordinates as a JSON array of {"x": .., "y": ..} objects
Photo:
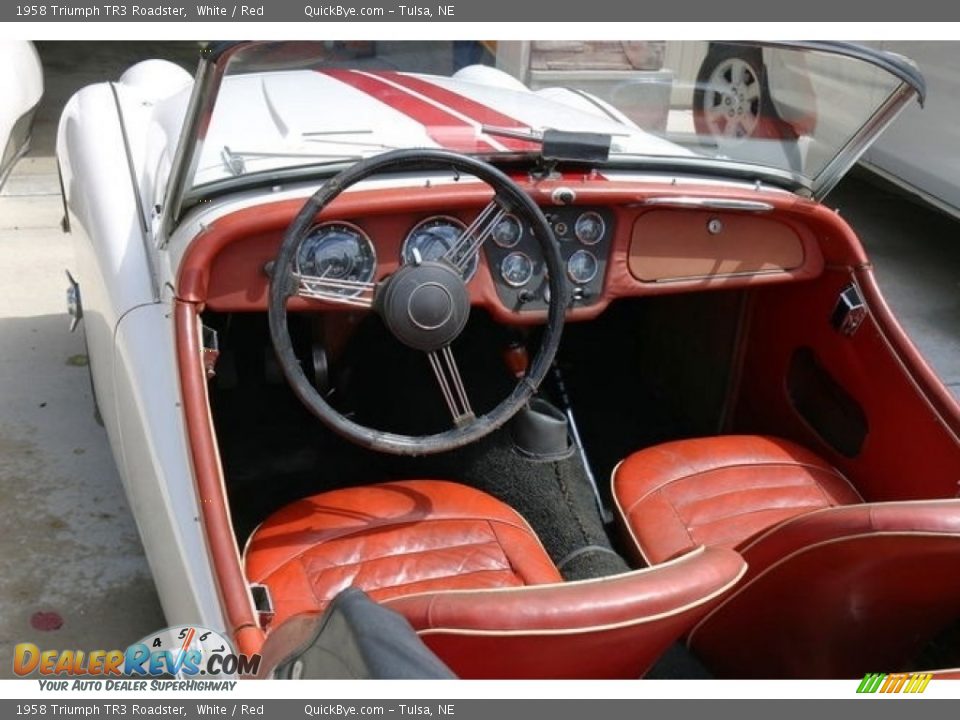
[{"x": 21, "y": 87}]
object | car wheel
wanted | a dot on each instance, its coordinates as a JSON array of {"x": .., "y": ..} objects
[{"x": 731, "y": 99}]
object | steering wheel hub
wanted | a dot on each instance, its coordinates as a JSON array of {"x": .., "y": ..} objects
[{"x": 425, "y": 306}]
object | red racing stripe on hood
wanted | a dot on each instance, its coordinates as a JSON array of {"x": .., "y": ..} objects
[
  {"x": 477, "y": 111},
  {"x": 443, "y": 127}
]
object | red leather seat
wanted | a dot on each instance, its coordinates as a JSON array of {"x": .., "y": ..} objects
[
  {"x": 720, "y": 491},
  {"x": 393, "y": 539},
  {"x": 835, "y": 587},
  {"x": 472, "y": 577}
]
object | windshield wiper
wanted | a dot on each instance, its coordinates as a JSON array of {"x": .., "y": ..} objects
[
  {"x": 335, "y": 137},
  {"x": 235, "y": 160},
  {"x": 561, "y": 145}
]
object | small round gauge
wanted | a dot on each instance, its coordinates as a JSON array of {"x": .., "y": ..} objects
[
  {"x": 507, "y": 232},
  {"x": 432, "y": 238},
  {"x": 582, "y": 267},
  {"x": 516, "y": 269},
  {"x": 589, "y": 228},
  {"x": 338, "y": 251}
]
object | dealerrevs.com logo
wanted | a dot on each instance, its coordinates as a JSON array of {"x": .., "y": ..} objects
[{"x": 200, "y": 659}]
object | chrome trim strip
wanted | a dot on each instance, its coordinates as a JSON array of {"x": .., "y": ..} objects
[
  {"x": 710, "y": 203},
  {"x": 719, "y": 276}
]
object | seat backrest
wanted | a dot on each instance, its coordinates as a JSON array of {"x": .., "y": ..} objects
[
  {"x": 612, "y": 627},
  {"x": 839, "y": 592}
]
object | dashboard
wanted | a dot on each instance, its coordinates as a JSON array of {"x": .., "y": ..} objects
[
  {"x": 341, "y": 250},
  {"x": 614, "y": 242}
]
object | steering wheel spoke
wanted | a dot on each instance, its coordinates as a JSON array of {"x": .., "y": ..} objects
[
  {"x": 447, "y": 372},
  {"x": 335, "y": 290},
  {"x": 461, "y": 253}
]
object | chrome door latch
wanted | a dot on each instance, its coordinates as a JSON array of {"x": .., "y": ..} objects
[
  {"x": 263, "y": 604},
  {"x": 210, "y": 350},
  {"x": 849, "y": 311}
]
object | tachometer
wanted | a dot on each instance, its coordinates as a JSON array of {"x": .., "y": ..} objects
[
  {"x": 338, "y": 251},
  {"x": 589, "y": 228},
  {"x": 582, "y": 267},
  {"x": 516, "y": 269},
  {"x": 432, "y": 238}
]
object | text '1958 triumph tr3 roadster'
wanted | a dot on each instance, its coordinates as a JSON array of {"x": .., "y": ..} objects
[{"x": 370, "y": 327}]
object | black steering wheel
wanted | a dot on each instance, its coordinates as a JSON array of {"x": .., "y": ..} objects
[{"x": 424, "y": 304}]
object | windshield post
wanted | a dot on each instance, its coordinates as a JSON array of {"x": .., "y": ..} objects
[
  {"x": 861, "y": 141},
  {"x": 199, "y": 110}
]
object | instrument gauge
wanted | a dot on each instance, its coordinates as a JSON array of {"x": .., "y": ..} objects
[
  {"x": 589, "y": 228},
  {"x": 582, "y": 267},
  {"x": 337, "y": 251},
  {"x": 516, "y": 269},
  {"x": 432, "y": 238},
  {"x": 507, "y": 232}
]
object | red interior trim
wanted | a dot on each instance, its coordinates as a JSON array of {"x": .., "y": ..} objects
[
  {"x": 232, "y": 584},
  {"x": 893, "y": 386},
  {"x": 917, "y": 367}
]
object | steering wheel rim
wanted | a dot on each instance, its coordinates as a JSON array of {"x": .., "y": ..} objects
[{"x": 283, "y": 283}]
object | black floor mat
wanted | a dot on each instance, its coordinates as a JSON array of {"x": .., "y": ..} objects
[{"x": 554, "y": 496}]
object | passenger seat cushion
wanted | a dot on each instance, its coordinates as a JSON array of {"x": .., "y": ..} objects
[
  {"x": 720, "y": 491},
  {"x": 390, "y": 540}
]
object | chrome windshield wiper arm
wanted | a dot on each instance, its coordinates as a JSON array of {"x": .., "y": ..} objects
[
  {"x": 529, "y": 134},
  {"x": 234, "y": 160}
]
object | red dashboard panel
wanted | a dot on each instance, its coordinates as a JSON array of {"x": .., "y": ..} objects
[{"x": 223, "y": 268}]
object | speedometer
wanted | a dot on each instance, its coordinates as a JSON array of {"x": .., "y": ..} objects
[
  {"x": 432, "y": 238},
  {"x": 337, "y": 251}
]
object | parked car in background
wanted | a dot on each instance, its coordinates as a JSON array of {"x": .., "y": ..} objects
[
  {"x": 21, "y": 87},
  {"x": 920, "y": 152},
  {"x": 366, "y": 322}
]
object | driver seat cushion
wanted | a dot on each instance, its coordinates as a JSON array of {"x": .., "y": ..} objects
[
  {"x": 720, "y": 491},
  {"x": 391, "y": 540}
]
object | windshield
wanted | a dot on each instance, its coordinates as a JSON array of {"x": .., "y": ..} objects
[{"x": 279, "y": 108}]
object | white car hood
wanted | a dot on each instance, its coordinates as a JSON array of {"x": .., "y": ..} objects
[{"x": 332, "y": 113}]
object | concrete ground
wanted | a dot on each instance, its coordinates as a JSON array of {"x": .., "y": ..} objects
[
  {"x": 69, "y": 545},
  {"x": 69, "y": 552}
]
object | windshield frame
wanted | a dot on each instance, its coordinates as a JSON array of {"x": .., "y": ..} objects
[{"x": 215, "y": 58}]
